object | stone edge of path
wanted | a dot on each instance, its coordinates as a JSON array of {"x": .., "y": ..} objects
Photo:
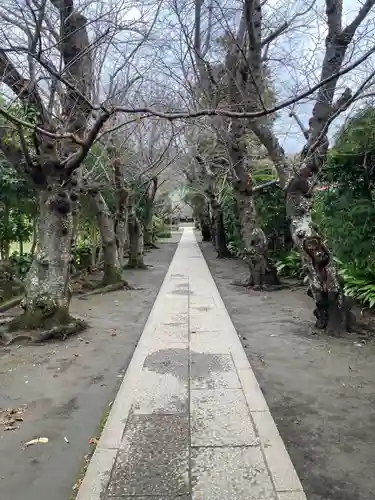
[{"x": 282, "y": 472}]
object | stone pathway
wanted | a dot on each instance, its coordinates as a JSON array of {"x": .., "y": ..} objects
[{"x": 190, "y": 420}]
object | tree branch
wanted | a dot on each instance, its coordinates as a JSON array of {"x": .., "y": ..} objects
[
  {"x": 305, "y": 132},
  {"x": 12, "y": 153},
  {"x": 24, "y": 89},
  {"x": 75, "y": 160},
  {"x": 351, "y": 28},
  {"x": 256, "y": 189}
]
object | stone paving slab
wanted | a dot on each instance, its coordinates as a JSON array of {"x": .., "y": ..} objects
[
  {"x": 190, "y": 421},
  {"x": 220, "y": 418},
  {"x": 212, "y": 371},
  {"x": 153, "y": 457},
  {"x": 230, "y": 474}
]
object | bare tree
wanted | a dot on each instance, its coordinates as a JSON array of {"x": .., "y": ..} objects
[
  {"x": 325, "y": 286},
  {"x": 47, "y": 64}
]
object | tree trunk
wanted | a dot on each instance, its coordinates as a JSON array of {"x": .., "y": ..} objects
[
  {"x": 21, "y": 246},
  {"x": 325, "y": 286},
  {"x": 324, "y": 283},
  {"x": 204, "y": 221},
  {"x": 253, "y": 238},
  {"x": 112, "y": 271},
  {"x": 122, "y": 237},
  {"x": 5, "y": 250},
  {"x": 151, "y": 192},
  {"x": 35, "y": 235},
  {"x": 219, "y": 236},
  {"x": 121, "y": 225},
  {"x": 135, "y": 242},
  {"x": 47, "y": 283},
  {"x": 148, "y": 236}
]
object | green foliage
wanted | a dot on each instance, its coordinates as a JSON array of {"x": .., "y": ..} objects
[
  {"x": 346, "y": 221},
  {"x": 271, "y": 214},
  {"x": 346, "y": 210},
  {"x": 231, "y": 221},
  {"x": 359, "y": 285},
  {"x": 160, "y": 228},
  {"x": 18, "y": 206},
  {"x": 194, "y": 199},
  {"x": 21, "y": 263},
  {"x": 290, "y": 265},
  {"x": 82, "y": 252}
]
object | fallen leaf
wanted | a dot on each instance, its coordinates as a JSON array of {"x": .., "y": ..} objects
[
  {"x": 42, "y": 440},
  {"x": 11, "y": 428},
  {"x": 76, "y": 354},
  {"x": 94, "y": 441},
  {"x": 113, "y": 334},
  {"x": 66, "y": 439}
]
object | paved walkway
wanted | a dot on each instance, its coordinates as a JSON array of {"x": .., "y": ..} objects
[{"x": 190, "y": 421}]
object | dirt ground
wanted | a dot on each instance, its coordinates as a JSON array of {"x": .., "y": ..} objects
[
  {"x": 321, "y": 390},
  {"x": 67, "y": 387}
]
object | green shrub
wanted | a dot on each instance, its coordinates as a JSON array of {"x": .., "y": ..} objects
[
  {"x": 21, "y": 263},
  {"x": 159, "y": 228},
  {"x": 360, "y": 285},
  {"x": 290, "y": 265},
  {"x": 82, "y": 254}
]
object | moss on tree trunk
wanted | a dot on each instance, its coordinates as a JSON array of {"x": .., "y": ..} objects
[
  {"x": 112, "y": 270},
  {"x": 47, "y": 285},
  {"x": 135, "y": 242}
]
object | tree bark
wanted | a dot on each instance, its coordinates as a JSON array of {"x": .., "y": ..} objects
[
  {"x": 111, "y": 270},
  {"x": 135, "y": 232},
  {"x": 253, "y": 238},
  {"x": 121, "y": 221},
  {"x": 218, "y": 232},
  {"x": 148, "y": 236},
  {"x": 204, "y": 221},
  {"x": 148, "y": 233},
  {"x": 47, "y": 284},
  {"x": 35, "y": 236},
  {"x": 324, "y": 284}
]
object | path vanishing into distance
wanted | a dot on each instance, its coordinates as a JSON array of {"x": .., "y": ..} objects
[{"x": 190, "y": 420}]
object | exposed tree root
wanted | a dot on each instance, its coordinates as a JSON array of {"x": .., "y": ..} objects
[
  {"x": 60, "y": 332},
  {"x": 244, "y": 283},
  {"x": 9, "y": 304},
  {"x": 331, "y": 316},
  {"x": 140, "y": 266},
  {"x": 152, "y": 246},
  {"x": 36, "y": 327},
  {"x": 248, "y": 283},
  {"x": 106, "y": 289}
]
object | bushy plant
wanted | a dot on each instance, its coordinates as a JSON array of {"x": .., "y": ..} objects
[
  {"x": 82, "y": 252},
  {"x": 360, "y": 285},
  {"x": 271, "y": 214},
  {"x": 160, "y": 228},
  {"x": 290, "y": 265},
  {"x": 21, "y": 263},
  {"x": 231, "y": 221}
]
